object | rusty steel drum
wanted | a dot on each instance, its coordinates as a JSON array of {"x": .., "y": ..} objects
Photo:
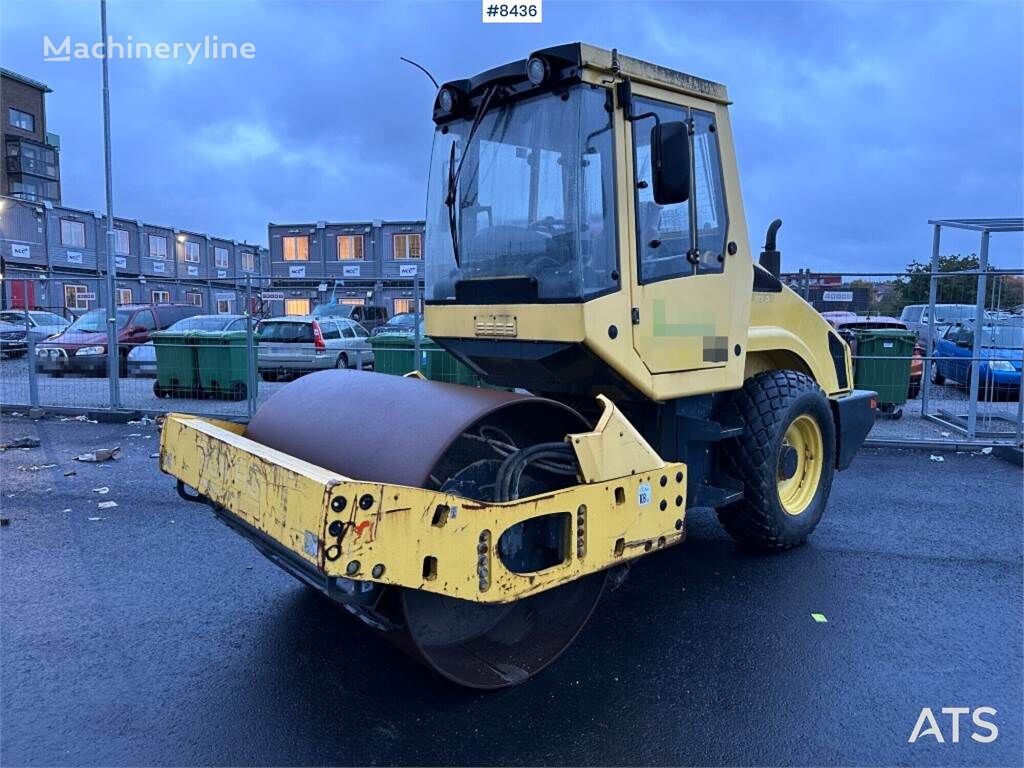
[{"x": 427, "y": 434}]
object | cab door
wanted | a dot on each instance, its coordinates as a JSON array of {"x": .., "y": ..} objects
[{"x": 684, "y": 294}]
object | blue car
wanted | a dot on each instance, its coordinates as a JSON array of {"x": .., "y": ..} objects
[{"x": 999, "y": 357}]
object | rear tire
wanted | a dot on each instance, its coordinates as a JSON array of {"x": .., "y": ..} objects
[
  {"x": 785, "y": 459},
  {"x": 342, "y": 361}
]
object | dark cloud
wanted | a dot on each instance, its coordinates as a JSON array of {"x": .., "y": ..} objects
[{"x": 854, "y": 123}]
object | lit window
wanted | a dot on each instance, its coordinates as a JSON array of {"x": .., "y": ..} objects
[
  {"x": 403, "y": 305},
  {"x": 248, "y": 261},
  {"x": 22, "y": 120},
  {"x": 157, "y": 247},
  {"x": 160, "y": 297},
  {"x": 408, "y": 246},
  {"x": 124, "y": 296},
  {"x": 223, "y": 306},
  {"x": 350, "y": 247},
  {"x": 74, "y": 297},
  {"x": 192, "y": 251},
  {"x": 72, "y": 233},
  {"x": 121, "y": 243},
  {"x": 194, "y": 298},
  {"x": 295, "y": 248},
  {"x": 220, "y": 257},
  {"x": 296, "y": 306}
]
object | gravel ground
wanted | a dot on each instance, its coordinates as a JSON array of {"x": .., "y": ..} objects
[{"x": 137, "y": 393}]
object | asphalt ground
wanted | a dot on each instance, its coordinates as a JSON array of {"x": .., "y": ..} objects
[{"x": 156, "y": 636}]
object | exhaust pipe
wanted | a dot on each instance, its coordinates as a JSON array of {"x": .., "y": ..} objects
[{"x": 771, "y": 259}]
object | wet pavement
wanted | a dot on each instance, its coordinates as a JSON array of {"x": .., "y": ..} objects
[{"x": 154, "y": 635}]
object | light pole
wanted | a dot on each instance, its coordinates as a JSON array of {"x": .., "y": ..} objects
[{"x": 113, "y": 357}]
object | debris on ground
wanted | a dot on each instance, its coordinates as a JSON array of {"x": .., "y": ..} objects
[
  {"x": 36, "y": 413},
  {"x": 135, "y": 434},
  {"x": 94, "y": 519},
  {"x": 103, "y": 490},
  {"x": 83, "y": 417},
  {"x": 36, "y": 467},
  {"x": 21, "y": 442},
  {"x": 70, "y": 472},
  {"x": 100, "y": 454},
  {"x": 154, "y": 455},
  {"x": 5, "y": 521},
  {"x": 819, "y": 617},
  {"x": 106, "y": 505},
  {"x": 987, "y": 451},
  {"x": 933, "y": 457}
]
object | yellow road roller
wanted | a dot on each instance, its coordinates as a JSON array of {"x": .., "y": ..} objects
[{"x": 586, "y": 255}]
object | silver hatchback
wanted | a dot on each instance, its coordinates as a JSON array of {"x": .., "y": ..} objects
[{"x": 291, "y": 346}]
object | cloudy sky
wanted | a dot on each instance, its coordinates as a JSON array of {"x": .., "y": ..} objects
[{"x": 854, "y": 123}]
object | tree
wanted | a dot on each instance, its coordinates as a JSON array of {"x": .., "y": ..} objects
[{"x": 1002, "y": 291}]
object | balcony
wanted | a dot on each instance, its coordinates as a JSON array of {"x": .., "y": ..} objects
[{"x": 24, "y": 156}]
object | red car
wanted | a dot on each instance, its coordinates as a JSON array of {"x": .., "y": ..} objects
[{"x": 82, "y": 348}]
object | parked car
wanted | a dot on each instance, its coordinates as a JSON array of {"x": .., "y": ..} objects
[
  {"x": 403, "y": 322},
  {"x": 290, "y": 346},
  {"x": 368, "y": 316},
  {"x": 847, "y": 324},
  {"x": 142, "y": 358},
  {"x": 41, "y": 325},
  {"x": 917, "y": 319},
  {"x": 12, "y": 340},
  {"x": 999, "y": 357},
  {"x": 82, "y": 347}
]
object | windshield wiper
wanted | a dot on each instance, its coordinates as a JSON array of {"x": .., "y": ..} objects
[{"x": 454, "y": 172}]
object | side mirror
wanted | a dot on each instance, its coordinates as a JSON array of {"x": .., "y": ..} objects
[{"x": 670, "y": 162}]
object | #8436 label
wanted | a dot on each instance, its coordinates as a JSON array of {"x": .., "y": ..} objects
[
  {"x": 643, "y": 494},
  {"x": 523, "y": 12}
]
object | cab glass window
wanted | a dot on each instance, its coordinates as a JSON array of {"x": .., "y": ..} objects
[
  {"x": 711, "y": 214},
  {"x": 662, "y": 231},
  {"x": 683, "y": 238}
]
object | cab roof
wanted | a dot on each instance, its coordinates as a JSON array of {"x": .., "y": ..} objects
[{"x": 567, "y": 63}]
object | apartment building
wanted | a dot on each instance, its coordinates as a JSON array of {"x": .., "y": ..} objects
[
  {"x": 31, "y": 168},
  {"x": 370, "y": 262},
  {"x": 55, "y": 257}
]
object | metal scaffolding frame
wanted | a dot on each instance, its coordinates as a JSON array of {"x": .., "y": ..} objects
[{"x": 986, "y": 227}]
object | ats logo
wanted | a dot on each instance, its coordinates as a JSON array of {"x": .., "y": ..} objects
[{"x": 984, "y": 731}]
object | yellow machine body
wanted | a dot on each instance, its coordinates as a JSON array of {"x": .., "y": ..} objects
[
  {"x": 629, "y": 502},
  {"x": 674, "y": 321}
]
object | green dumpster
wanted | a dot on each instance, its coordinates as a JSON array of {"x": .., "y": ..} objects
[
  {"x": 175, "y": 364},
  {"x": 395, "y": 353},
  {"x": 222, "y": 363},
  {"x": 882, "y": 358}
]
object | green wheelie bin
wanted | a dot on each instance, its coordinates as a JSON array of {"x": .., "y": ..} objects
[
  {"x": 882, "y": 359},
  {"x": 222, "y": 362},
  {"x": 175, "y": 364},
  {"x": 395, "y": 353}
]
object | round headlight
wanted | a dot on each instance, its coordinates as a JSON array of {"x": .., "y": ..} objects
[
  {"x": 446, "y": 100},
  {"x": 537, "y": 70}
]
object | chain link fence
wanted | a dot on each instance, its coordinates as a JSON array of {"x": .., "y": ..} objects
[{"x": 946, "y": 363}]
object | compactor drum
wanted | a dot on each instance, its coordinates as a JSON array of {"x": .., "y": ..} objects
[
  {"x": 586, "y": 256},
  {"x": 467, "y": 442}
]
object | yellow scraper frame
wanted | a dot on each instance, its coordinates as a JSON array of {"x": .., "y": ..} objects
[{"x": 630, "y": 503}]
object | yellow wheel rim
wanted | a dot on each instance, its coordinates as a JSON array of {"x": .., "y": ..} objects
[{"x": 799, "y": 469}]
